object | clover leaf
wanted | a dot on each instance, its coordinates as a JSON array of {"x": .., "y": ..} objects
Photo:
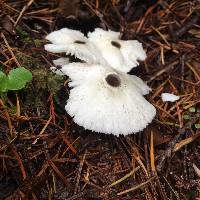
[
  {"x": 16, "y": 79},
  {"x": 3, "y": 82}
]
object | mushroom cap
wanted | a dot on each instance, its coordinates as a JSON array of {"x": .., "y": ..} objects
[
  {"x": 104, "y": 100},
  {"x": 61, "y": 61},
  {"x": 101, "y": 47},
  {"x": 168, "y": 97},
  {"x": 144, "y": 89},
  {"x": 119, "y": 54},
  {"x": 100, "y": 34},
  {"x": 74, "y": 43},
  {"x": 66, "y": 36}
]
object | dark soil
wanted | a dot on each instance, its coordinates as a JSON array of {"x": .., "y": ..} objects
[{"x": 45, "y": 155}]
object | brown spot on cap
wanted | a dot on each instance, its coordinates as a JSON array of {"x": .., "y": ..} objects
[
  {"x": 116, "y": 44},
  {"x": 113, "y": 80},
  {"x": 79, "y": 42}
]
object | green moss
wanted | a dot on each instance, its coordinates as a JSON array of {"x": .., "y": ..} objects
[
  {"x": 43, "y": 83},
  {"x": 38, "y": 43},
  {"x": 21, "y": 32}
]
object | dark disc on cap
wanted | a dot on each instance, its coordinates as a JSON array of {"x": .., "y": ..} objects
[
  {"x": 79, "y": 42},
  {"x": 113, "y": 80},
  {"x": 116, "y": 44}
]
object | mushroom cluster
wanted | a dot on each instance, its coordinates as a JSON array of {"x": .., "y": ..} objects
[{"x": 103, "y": 98}]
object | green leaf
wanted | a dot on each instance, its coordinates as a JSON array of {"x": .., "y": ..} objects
[
  {"x": 3, "y": 82},
  {"x": 17, "y": 78},
  {"x": 197, "y": 126}
]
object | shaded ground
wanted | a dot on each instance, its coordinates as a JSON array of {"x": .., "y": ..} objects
[{"x": 44, "y": 155}]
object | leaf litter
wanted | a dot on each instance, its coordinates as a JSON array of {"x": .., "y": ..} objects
[{"x": 44, "y": 155}]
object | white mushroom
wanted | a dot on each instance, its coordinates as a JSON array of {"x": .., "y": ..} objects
[
  {"x": 101, "y": 47},
  {"x": 72, "y": 42},
  {"x": 59, "y": 63},
  {"x": 119, "y": 54},
  {"x": 169, "y": 97},
  {"x": 107, "y": 101}
]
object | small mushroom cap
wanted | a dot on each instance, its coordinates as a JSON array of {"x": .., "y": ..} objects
[
  {"x": 100, "y": 34},
  {"x": 106, "y": 101},
  {"x": 121, "y": 55},
  {"x": 61, "y": 61},
  {"x": 72, "y": 42},
  {"x": 168, "y": 97},
  {"x": 65, "y": 36}
]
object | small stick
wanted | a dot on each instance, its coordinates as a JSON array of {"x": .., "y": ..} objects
[
  {"x": 166, "y": 68},
  {"x": 185, "y": 27},
  {"x": 43, "y": 129},
  {"x": 136, "y": 187},
  {"x": 125, "y": 177},
  {"x": 22, "y": 12},
  {"x": 153, "y": 168},
  {"x": 79, "y": 173},
  {"x": 185, "y": 142},
  {"x": 172, "y": 144},
  {"x": 10, "y": 49},
  {"x": 193, "y": 70}
]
